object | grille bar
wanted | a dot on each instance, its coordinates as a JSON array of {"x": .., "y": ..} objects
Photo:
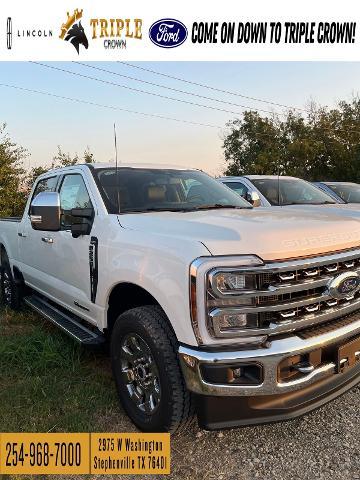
[
  {"x": 281, "y": 289},
  {"x": 295, "y": 323},
  {"x": 277, "y": 307}
]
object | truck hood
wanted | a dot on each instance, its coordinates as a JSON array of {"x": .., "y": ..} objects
[
  {"x": 272, "y": 233},
  {"x": 343, "y": 209}
]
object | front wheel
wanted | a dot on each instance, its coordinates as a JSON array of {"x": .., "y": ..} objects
[{"x": 147, "y": 371}]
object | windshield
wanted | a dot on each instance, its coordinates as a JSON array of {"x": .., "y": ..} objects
[
  {"x": 293, "y": 191},
  {"x": 149, "y": 190},
  {"x": 349, "y": 192}
]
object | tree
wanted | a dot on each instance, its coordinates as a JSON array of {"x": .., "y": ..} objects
[
  {"x": 88, "y": 156},
  {"x": 323, "y": 145},
  {"x": 62, "y": 159},
  {"x": 12, "y": 193}
]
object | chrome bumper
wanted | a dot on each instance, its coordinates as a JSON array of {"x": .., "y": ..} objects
[{"x": 269, "y": 358}]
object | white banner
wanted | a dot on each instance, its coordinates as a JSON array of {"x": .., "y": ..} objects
[{"x": 154, "y": 31}]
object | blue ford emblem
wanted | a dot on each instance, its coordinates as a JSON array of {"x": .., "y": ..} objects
[
  {"x": 168, "y": 33},
  {"x": 344, "y": 285}
]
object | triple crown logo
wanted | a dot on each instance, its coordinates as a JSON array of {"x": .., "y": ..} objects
[{"x": 73, "y": 30}]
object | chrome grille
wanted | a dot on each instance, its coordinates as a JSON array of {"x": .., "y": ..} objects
[{"x": 291, "y": 296}]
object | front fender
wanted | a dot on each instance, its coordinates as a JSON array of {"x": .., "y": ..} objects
[{"x": 158, "y": 265}]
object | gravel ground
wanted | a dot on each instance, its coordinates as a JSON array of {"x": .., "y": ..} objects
[{"x": 324, "y": 444}]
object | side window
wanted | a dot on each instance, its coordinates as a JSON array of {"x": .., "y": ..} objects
[
  {"x": 73, "y": 194},
  {"x": 45, "y": 185},
  {"x": 238, "y": 187}
]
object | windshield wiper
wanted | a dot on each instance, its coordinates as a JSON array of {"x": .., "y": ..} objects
[
  {"x": 183, "y": 209},
  {"x": 309, "y": 203},
  {"x": 154, "y": 209},
  {"x": 216, "y": 206}
]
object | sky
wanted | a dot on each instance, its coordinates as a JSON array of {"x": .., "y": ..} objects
[{"x": 41, "y": 123}]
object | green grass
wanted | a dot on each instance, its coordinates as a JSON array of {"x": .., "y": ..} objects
[{"x": 50, "y": 383}]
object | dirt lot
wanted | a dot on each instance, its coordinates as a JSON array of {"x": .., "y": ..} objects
[{"x": 48, "y": 383}]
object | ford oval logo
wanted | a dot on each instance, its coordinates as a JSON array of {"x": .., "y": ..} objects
[
  {"x": 344, "y": 285},
  {"x": 168, "y": 33}
]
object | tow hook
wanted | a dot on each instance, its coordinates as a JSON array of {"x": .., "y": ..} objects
[{"x": 304, "y": 367}]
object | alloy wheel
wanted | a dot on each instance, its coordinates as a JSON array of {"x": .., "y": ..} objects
[{"x": 140, "y": 373}]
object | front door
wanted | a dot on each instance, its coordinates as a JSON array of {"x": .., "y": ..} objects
[{"x": 72, "y": 270}]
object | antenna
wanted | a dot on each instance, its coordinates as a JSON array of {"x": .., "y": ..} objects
[
  {"x": 116, "y": 170},
  {"x": 278, "y": 184}
]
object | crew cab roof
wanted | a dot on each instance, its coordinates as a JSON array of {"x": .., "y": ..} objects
[{"x": 154, "y": 166}]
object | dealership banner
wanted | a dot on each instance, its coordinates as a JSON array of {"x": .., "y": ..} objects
[{"x": 159, "y": 31}]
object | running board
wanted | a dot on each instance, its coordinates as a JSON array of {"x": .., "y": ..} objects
[{"x": 65, "y": 321}]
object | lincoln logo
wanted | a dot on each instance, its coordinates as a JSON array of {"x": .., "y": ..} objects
[
  {"x": 344, "y": 285},
  {"x": 9, "y": 33}
]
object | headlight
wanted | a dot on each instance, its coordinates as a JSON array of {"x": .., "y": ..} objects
[
  {"x": 222, "y": 292},
  {"x": 230, "y": 283}
]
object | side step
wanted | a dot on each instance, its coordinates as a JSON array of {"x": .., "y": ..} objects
[{"x": 68, "y": 322}]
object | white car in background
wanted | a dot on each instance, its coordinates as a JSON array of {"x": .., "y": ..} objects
[{"x": 271, "y": 191}]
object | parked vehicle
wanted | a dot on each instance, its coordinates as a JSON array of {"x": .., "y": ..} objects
[
  {"x": 245, "y": 315},
  {"x": 341, "y": 191},
  {"x": 287, "y": 191}
]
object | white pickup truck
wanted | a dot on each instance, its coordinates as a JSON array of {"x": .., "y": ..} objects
[{"x": 246, "y": 315}]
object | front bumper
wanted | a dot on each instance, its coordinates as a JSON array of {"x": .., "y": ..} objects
[{"x": 273, "y": 398}]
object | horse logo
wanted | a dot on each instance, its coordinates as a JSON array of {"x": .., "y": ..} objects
[
  {"x": 76, "y": 35},
  {"x": 73, "y": 31}
]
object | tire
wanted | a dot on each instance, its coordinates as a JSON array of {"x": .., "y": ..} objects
[
  {"x": 147, "y": 372},
  {"x": 9, "y": 290}
]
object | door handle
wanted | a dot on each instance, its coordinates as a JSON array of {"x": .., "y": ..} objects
[
  {"x": 22, "y": 235},
  {"x": 47, "y": 239}
]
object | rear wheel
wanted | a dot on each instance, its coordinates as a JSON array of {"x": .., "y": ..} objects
[
  {"x": 10, "y": 291},
  {"x": 147, "y": 371}
]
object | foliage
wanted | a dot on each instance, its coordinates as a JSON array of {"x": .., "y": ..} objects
[
  {"x": 12, "y": 155},
  {"x": 50, "y": 383},
  {"x": 322, "y": 145},
  {"x": 62, "y": 159}
]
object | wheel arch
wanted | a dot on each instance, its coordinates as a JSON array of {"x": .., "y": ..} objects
[
  {"x": 125, "y": 296},
  {"x": 18, "y": 276}
]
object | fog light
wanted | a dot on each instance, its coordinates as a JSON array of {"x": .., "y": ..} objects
[
  {"x": 237, "y": 372},
  {"x": 244, "y": 374}
]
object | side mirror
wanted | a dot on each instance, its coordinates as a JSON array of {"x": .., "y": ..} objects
[
  {"x": 82, "y": 221},
  {"x": 45, "y": 212},
  {"x": 253, "y": 198}
]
